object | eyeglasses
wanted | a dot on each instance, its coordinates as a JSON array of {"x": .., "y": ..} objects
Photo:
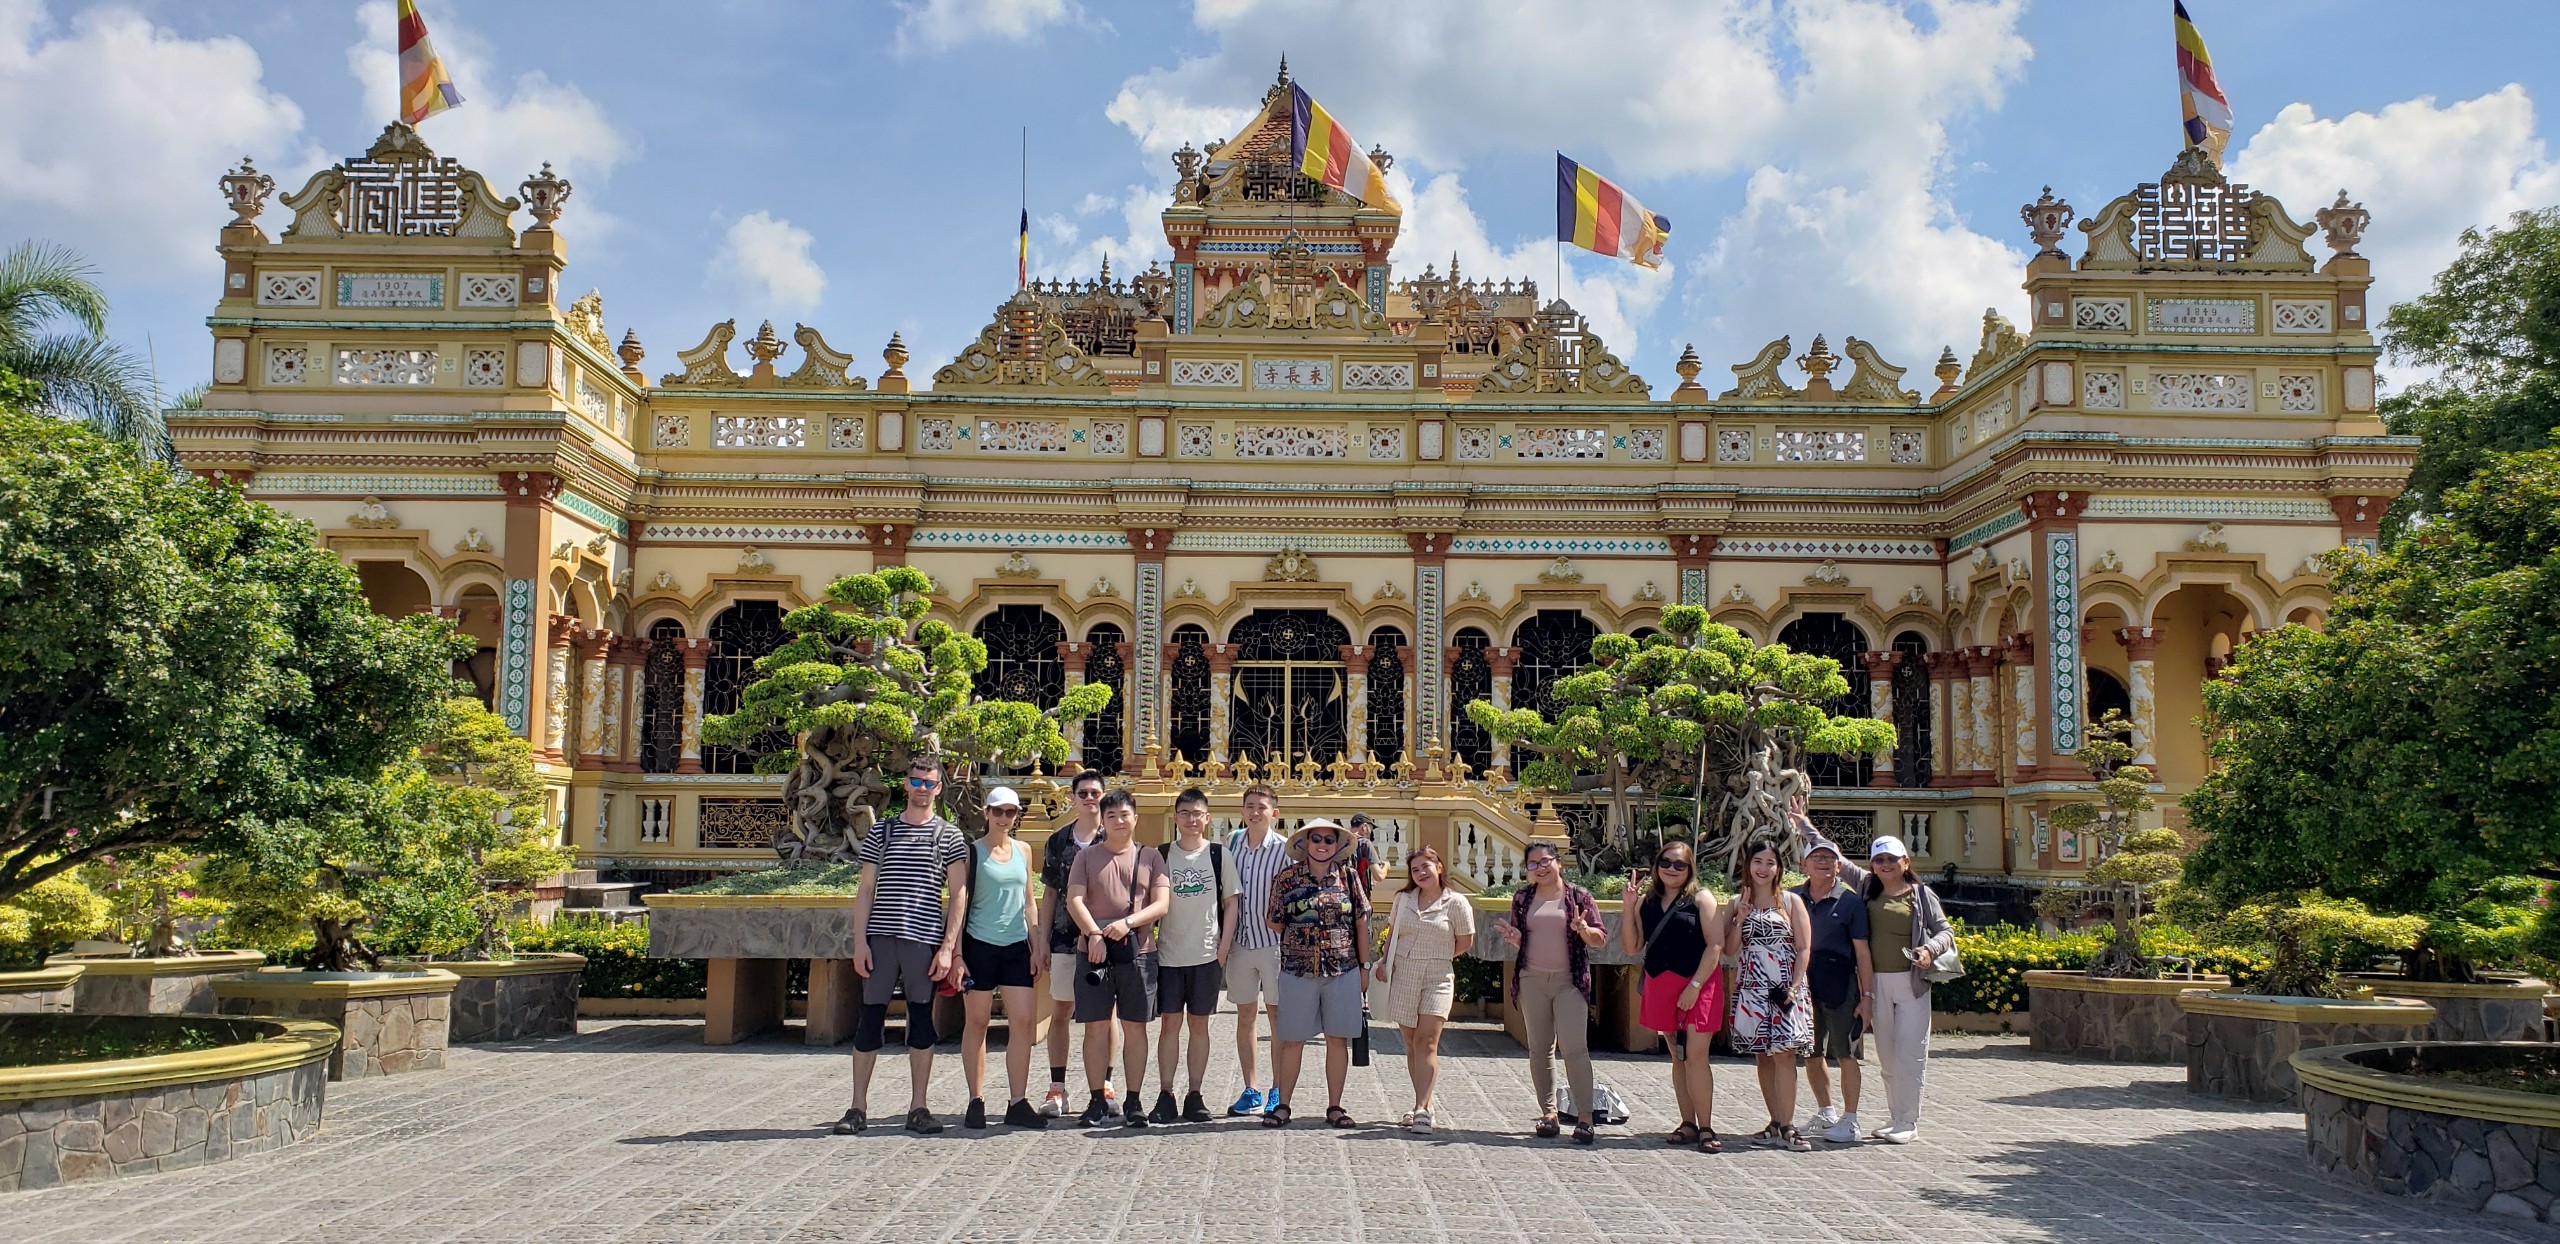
[
  {"x": 1543, "y": 861},
  {"x": 1322, "y": 840},
  {"x": 917, "y": 783}
]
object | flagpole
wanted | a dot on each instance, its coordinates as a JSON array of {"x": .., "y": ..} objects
[{"x": 1022, "y": 275}]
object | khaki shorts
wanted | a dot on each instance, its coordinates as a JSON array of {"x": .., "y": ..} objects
[
  {"x": 1062, "y": 976},
  {"x": 1253, "y": 976}
]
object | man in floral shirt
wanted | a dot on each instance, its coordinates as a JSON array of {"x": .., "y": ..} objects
[{"x": 1319, "y": 908}]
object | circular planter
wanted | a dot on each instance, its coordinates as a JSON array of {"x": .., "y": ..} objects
[
  {"x": 41, "y": 991},
  {"x": 176, "y": 985},
  {"x": 2503, "y": 1007},
  {"x": 69, "y": 1122},
  {"x": 2122, "y": 1020},
  {"x": 392, "y": 1022},
  {"x": 2242, "y": 1045},
  {"x": 2484, "y": 1149},
  {"x": 515, "y": 999}
]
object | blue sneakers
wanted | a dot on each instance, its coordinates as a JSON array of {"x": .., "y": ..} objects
[{"x": 1249, "y": 1104}]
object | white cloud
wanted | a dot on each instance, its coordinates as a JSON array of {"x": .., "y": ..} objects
[
  {"x": 766, "y": 260},
  {"x": 1063, "y": 249},
  {"x": 117, "y": 130},
  {"x": 941, "y": 25},
  {"x": 503, "y": 132},
  {"x": 2426, "y": 171}
]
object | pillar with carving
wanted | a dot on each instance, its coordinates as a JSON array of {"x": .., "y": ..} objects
[
  {"x": 1222, "y": 692},
  {"x": 1146, "y": 677},
  {"x": 556, "y": 743},
  {"x": 1955, "y": 765},
  {"x": 525, "y": 634},
  {"x": 592, "y": 648},
  {"x": 1941, "y": 734},
  {"x": 1880, "y": 706},
  {"x": 697, "y": 659},
  {"x": 2057, "y": 691},
  {"x": 2141, "y": 645},
  {"x": 1355, "y": 693},
  {"x": 2018, "y": 652},
  {"x": 1980, "y": 662},
  {"x": 627, "y": 672},
  {"x": 1502, "y": 660},
  {"x": 1429, "y": 693},
  {"x": 1694, "y": 552},
  {"x": 1071, "y": 655}
]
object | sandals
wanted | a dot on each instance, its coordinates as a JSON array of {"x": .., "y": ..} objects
[
  {"x": 1336, "y": 1116},
  {"x": 1276, "y": 1116},
  {"x": 1685, "y": 1134},
  {"x": 1770, "y": 1137},
  {"x": 1582, "y": 1133},
  {"x": 1795, "y": 1141},
  {"x": 1546, "y": 1128},
  {"x": 1709, "y": 1142}
]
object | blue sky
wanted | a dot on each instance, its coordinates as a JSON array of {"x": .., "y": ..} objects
[{"x": 1837, "y": 166}]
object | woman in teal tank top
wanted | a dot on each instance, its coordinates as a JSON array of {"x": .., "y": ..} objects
[{"x": 995, "y": 952}]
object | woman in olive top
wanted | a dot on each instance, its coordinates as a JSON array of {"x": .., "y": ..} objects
[
  {"x": 995, "y": 950},
  {"x": 1555, "y": 926},
  {"x": 1670, "y": 923},
  {"x": 1909, "y": 931},
  {"x": 1427, "y": 929}
]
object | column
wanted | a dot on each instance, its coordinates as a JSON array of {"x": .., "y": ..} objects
[
  {"x": 2141, "y": 644},
  {"x": 592, "y": 647},
  {"x": 1222, "y": 693},
  {"x": 1694, "y": 553},
  {"x": 524, "y": 636},
  {"x": 697, "y": 658},
  {"x": 1978, "y": 666},
  {"x": 1071, "y": 654},
  {"x": 1430, "y": 694},
  {"x": 1355, "y": 712},
  {"x": 1880, "y": 667},
  {"x": 556, "y": 704},
  {"x": 2058, "y": 680},
  {"x": 2019, "y": 653},
  {"x": 888, "y": 543},
  {"x": 1501, "y": 659},
  {"x": 628, "y": 675},
  {"x": 1412, "y": 749},
  {"x": 1146, "y": 677},
  {"x": 1941, "y": 728}
]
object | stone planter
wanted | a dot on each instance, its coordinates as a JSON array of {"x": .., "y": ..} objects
[
  {"x": 513, "y": 1000},
  {"x": 2125, "y": 1021},
  {"x": 177, "y": 985},
  {"x": 2242, "y": 1045},
  {"x": 2500, "y": 1008},
  {"x": 2483, "y": 1149},
  {"x": 42, "y": 991},
  {"x": 392, "y": 1022},
  {"x": 749, "y": 941},
  {"x": 70, "y": 1122}
]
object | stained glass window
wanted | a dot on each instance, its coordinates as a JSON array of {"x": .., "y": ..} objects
[
  {"x": 742, "y": 634},
  {"x": 1106, "y": 732},
  {"x": 662, "y": 699},
  {"x": 1834, "y": 636}
]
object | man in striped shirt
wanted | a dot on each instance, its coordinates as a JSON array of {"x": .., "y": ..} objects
[
  {"x": 1257, "y": 853},
  {"x": 906, "y": 935}
]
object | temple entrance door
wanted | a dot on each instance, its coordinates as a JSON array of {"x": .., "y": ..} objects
[{"x": 1289, "y": 683}]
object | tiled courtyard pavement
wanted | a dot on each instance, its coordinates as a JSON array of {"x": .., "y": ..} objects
[{"x": 635, "y": 1132}]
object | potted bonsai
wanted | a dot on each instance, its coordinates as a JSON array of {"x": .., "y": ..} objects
[
  {"x": 2242, "y": 1044},
  {"x": 153, "y": 904}
]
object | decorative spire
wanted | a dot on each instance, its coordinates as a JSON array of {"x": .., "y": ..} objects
[
  {"x": 895, "y": 355},
  {"x": 247, "y": 189},
  {"x": 2045, "y": 219},
  {"x": 2344, "y": 223},
  {"x": 765, "y": 347},
  {"x": 1688, "y": 367},
  {"x": 1948, "y": 369},
  {"x": 544, "y": 193},
  {"x": 630, "y": 351},
  {"x": 1818, "y": 364}
]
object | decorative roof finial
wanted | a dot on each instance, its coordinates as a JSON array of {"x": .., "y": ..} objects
[
  {"x": 895, "y": 355},
  {"x": 631, "y": 351},
  {"x": 1948, "y": 369},
  {"x": 247, "y": 189},
  {"x": 544, "y": 193},
  {"x": 1688, "y": 367},
  {"x": 1284, "y": 70},
  {"x": 765, "y": 347},
  {"x": 2343, "y": 222},
  {"x": 2046, "y": 218}
]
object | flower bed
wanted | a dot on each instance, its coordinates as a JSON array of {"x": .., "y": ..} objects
[
  {"x": 1997, "y": 960},
  {"x": 617, "y": 955}
]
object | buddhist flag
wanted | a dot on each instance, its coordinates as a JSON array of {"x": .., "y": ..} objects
[
  {"x": 425, "y": 88},
  {"x": 1321, "y": 149},
  {"x": 1594, "y": 214},
  {"x": 1022, "y": 253},
  {"x": 2208, "y": 110}
]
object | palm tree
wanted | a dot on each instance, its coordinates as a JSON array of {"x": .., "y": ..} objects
[{"x": 79, "y": 374}]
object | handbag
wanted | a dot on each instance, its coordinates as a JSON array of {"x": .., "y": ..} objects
[{"x": 1950, "y": 965}]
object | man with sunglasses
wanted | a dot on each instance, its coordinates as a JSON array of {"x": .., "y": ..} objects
[
  {"x": 1319, "y": 909},
  {"x": 906, "y": 936},
  {"x": 1066, "y": 948}
]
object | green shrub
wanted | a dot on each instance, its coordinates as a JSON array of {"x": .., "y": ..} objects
[
  {"x": 618, "y": 962},
  {"x": 1479, "y": 980},
  {"x": 1997, "y": 959}
]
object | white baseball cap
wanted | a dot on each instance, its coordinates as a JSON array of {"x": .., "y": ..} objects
[
  {"x": 1003, "y": 797},
  {"x": 1888, "y": 845}
]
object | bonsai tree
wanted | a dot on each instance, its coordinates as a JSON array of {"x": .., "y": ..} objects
[
  {"x": 866, "y": 682},
  {"x": 46, "y": 917},
  {"x": 181, "y": 664},
  {"x": 2130, "y": 860},
  {"x": 149, "y": 892},
  {"x": 1697, "y": 705},
  {"x": 2310, "y": 938}
]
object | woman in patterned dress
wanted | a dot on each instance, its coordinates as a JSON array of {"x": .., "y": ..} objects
[
  {"x": 1427, "y": 929},
  {"x": 1773, "y": 1008}
]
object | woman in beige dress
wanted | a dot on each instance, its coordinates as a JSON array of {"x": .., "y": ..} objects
[{"x": 1427, "y": 929}]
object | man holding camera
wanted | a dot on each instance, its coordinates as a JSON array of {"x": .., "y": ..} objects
[{"x": 1116, "y": 892}]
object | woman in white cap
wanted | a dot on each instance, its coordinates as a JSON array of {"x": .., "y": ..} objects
[
  {"x": 1909, "y": 932},
  {"x": 995, "y": 951}
]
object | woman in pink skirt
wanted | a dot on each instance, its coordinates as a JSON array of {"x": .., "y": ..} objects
[{"x": 1671, "y": 922}]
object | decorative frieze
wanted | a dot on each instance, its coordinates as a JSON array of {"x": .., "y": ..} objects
[
  {"x": 2282, "y": 510},
  {"x": 385, "y": 367},
  {"x": 1733, "y": 445},
  {"x": 1252, "y": 542},
  {"x": 2101, "y": 390},
  {"x": 1544, "y": 546},
  {"x": 1783, "y": 548},
  {"x": 1821, "y": 445},
  {"x": 759, "y": 432},
  {"x": 1550, "y": 444},
  {"x": 991, "y": 538},
  {"x": 758, "y": 533},
  {"x": 1195, "y": 440},
  {"x": 1207, "y": 373},
  {"x": 288, "y": 364},
  {"x": 2200, "y": 391},
  {"x": 288, "y": 289},
  {"x": 1283, "y": 440},
  {"x": 1023, "y": 436},
  {"x": 1396, "y": 377}
]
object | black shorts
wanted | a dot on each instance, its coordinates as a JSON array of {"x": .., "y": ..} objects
[
  {"x": 1193, "y": 990},
  {"x": 1837, "y": 1030},
  {"x": 1127, "y": 990},
  {"x": 991, "y": 966}
]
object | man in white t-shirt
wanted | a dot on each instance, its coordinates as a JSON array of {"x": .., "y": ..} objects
[
  {"x": 1256, "y": 853},
  {"x": 1192, "y": 943}
]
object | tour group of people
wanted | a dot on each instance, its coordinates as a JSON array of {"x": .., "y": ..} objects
[{"x": 1122, "y": 935}]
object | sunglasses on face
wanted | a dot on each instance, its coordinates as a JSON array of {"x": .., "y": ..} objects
[
  {"x": 1004, "y": 811},
  {"x": 917, "y": 783},
  {"x": 1321, "y": 840},
  {"x": 1088, "y": 794},
  {"x": 1674, "y": 866}
]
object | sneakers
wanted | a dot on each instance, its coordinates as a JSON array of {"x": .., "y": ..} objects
[
  {"x": 1164, "y": 1111},
  {"x": 1822, "y": 1119},
  {"x": 1843, "y": 1131},
  {"x": 976, "y": 1115},
  {"x": 1194, "y": 1109},
  {"x": 1055, "y": 1104},
  {"x": 1135, "y": 1117},
  {"x": 1897, "y": 1135},
  {"x": 1249, "y": 1104},
  {"x": 1023, "y": 1114},
  {"x": 922, "y": 1123},
  {"x": 1096, "y": 1112},
  {"x": 1418, "y": 1123},
  {"x": 853, "y": 1121}
]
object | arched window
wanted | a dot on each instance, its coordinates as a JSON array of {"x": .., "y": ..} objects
[
  {"x": 741, "y": 635},
  {"x": 1386, "y": 695},
  {"x": 1022, "y": 655},
  {"x": 1470, "y": 679},
  {"x": 1834, "y": 636},
  {"x": 2108, "y": 693},
  {"x": 1551, "y": 645},
  {"x": 1912, "y": 724},
  {"x": 1187, "y": 728},
  {"x": 1105, "y": 733},
  {"x": 662, "y": 698},
  {"x": 1289, "y": 681}
]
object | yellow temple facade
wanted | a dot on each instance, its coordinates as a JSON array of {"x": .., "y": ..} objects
[{"x": 1299, "y": 504}]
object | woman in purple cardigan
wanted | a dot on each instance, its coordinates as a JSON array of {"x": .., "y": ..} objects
[{"x": 1554, "y": 925}]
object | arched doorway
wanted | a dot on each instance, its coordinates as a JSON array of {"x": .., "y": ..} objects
[
  {"x": 1022, "y": 655},
  {"x": 1835, "y": 636},
  {"x": 1470, "y": 679},
  {"x": 1105, "y": 733},
  {"x": 1289, "y": 687},
  {"x": 1552, "y": 644},
  {"x": 743, "y": 634},
  {"x": 2107, "y": 693},
  {"x": 392, "y": 589}
]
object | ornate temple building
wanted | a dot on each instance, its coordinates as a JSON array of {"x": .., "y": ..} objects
[{"x": 1298, "y": 504}]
